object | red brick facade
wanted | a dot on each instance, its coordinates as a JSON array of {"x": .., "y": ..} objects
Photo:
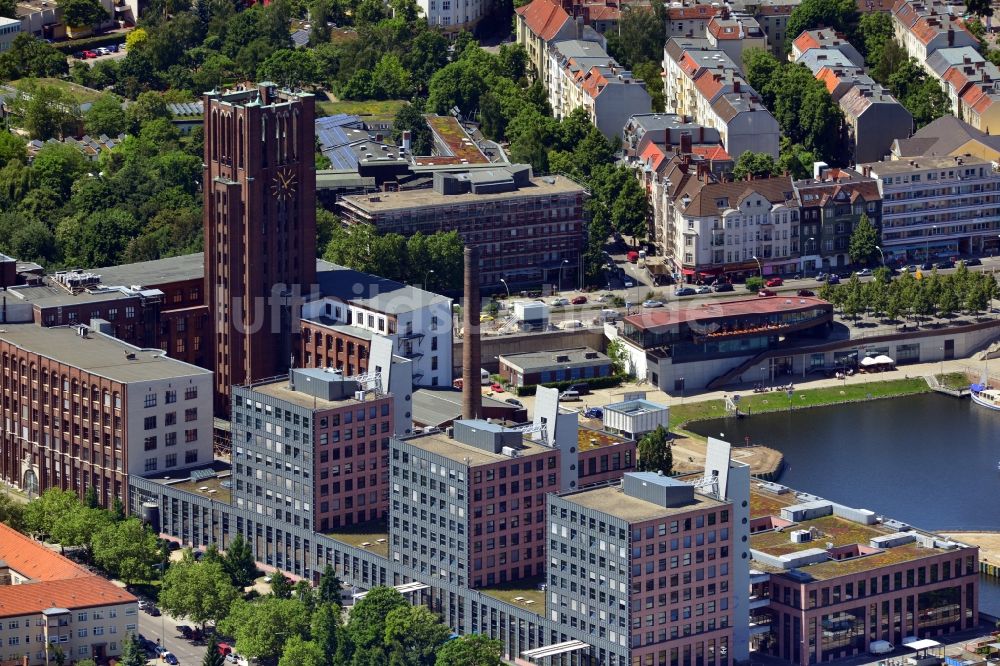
[{"x": 325, "y": 347}]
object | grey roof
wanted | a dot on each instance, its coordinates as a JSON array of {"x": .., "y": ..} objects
[
  {"x": 371, "y": 291},
  {"x": 543, "y": 360},
  {"x": 941, "y": 137},
  {"x": 186, "y": 109},
  {"x": 157, "y": 271},
  {"x": 333, "y": 325},
  {"x": 49, "y": 295},
  {"x": 301, "y": 37},
  {"x": 943, "y": 59},
  {"x": 817, "y": 59},
  {"x": 438, "y": 406},
  {"x": 332, "y": 179},
  {"x": 99, "y": 354}
]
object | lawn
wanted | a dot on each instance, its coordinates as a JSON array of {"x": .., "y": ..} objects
[
  {"x": 81, "y": 93},
  {"x": 377, "y": 109},
  {"x": 956, "y": 381},
  {"x": 756, "y": 403}
]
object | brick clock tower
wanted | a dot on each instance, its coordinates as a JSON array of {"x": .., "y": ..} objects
[{"x": 260, "y": 228}]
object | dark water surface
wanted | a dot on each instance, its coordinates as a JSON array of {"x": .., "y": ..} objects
[{"x": 928, "y": 460}]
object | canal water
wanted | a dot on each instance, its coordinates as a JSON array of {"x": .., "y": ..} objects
[{"x": 927, "y": 460}]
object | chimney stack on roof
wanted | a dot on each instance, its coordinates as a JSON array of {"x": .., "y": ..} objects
[{"x": 472, "y": 399}]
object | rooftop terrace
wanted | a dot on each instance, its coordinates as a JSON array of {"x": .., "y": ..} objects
[
  {"x": 612, "y": 500},
  {"x": 597, "y": 439},
  {"x": 410, "y": 199},
  {"x": 523, "y": 592},
  {"x": 372, "y": 536}
]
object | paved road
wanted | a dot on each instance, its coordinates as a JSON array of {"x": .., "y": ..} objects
[
  {"x": 164, "y": 628},
  {"x": 93, "y": 61}
]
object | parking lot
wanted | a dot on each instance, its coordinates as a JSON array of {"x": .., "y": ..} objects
[{"x": 99, "y": 56}]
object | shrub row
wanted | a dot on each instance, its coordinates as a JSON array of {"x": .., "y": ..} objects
[
  {"x": 594, "y": 383},
  {"x": 76, "y": 45}
]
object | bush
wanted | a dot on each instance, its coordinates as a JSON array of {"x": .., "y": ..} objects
[
  {"x": 72, "y": 46},
  {"x": 755, "y": 283},
  {"x": 592, "y": 382}
]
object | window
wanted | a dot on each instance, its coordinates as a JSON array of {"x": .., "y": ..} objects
[
  {"x": 170, "y": 418},
  {"x": 190, "y": 456},
  {"x": 150, "y": 464},
  {"x": 150, "y": 400},
  {"x": 191, "y": 435},
  {"x": 129, "y": 312},
  {"x": 170, "y": 439},
  {"x": 191, "y": 392},
  {"x": 149, "y": 444},
  {"x": 191, "y": 414},
  {"x": 171, "y": 396},
  {"x": 171, "y": 460},
  {"x": 149, "y": 423}
]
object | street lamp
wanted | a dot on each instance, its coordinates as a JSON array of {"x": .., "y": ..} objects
[
  {"x": 561, "y": 266},
  {"x": 882, "y": 254},
  {"x": 759, "y": 267},
  {"x": 941, "y": 373},
  {"x": 429, "y": 271},
  {"x": 506, "y": 286},
  {"x": 763, "y": 372}
]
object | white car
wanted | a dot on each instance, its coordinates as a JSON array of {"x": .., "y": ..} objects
[
  {"x": 102, "y": 51},
  {"x": 704, "y": 289},
  {"x": 560, "y": 301},
  {"x": 652, "y": 304}
]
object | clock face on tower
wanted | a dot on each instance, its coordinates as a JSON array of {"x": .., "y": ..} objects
[{"x": 283, "y": 185}]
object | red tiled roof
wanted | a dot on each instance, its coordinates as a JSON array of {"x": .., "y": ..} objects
[
  {"x": 709, "y": 83},
  {"x": 594, "y": 83},
  {"x": 829, "y": 77},
  {"x": 712, "y": 153},
  {"x": 30, "y": 558},
  {"x": 722, "y": 309},
  {"x": 698, "y": 11},
  {"x": 807, "y": 40},
  {"x": 72, "y": 594},
  {"x": 544, "y": 18},
  {"x": 721, "y": 30}
]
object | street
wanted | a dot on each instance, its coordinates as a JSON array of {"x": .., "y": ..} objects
[{"x": 164, "y": 628}]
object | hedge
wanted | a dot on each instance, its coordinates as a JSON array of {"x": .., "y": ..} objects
[
  {"x": 593, "y": 382},
  {"x": 76, "y": 45}
]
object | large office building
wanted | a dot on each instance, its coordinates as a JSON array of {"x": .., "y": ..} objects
[
  {"x": 529, "y": 230},
  {"x": 83, "y": 409},
  {"x": 829, "y": 580},
  {"x": 260, "y": 228},
  {"x": 50, "y": 605},
  {"x": 936, "y": 206}
]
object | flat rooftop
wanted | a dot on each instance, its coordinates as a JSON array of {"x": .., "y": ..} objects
[
  {"x": 455, "y": 139},
  {"x": 391, "y": 201},
  {"x": 523, "y": 592},
  {"x": 372, "y": 536},
  {"x": 99, "y": 354},
  {"x": 579, "y": 357},
  {"x": 613, "y": 501},
  {"x": 374, "y": 291},
  {"x": 765, "y": 502},
  {"x": 888, "y": 167},
  {"x": 48, "y": 295},
  {"x": 589, "y": 439},
  {"x": 156, "y": 272},
  {"x": 219, "y": 488},
  {"x": 440, "y": 444},
  {"x": 281, "y": 391},
  {"x": 672, "y": 316}
]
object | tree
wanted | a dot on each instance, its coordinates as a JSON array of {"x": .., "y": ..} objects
[
  {"x": 82, "y": 13},
  {"x": 12, "y": 147},
  {"x": 8, "y": 8},
  {"x": 90, "y": 498},
  {"x": 212, "y": 655},
  {"x": 42, "y": 513},
  {"x": 133, "y": 653},
  {"x": 290, "y": 68},
  {"x": 78, "y": 526},
  {"x": 979, "y": 7},
  {"x": 253, "y": 624},
  {"x": 29, "y": 56},
  {"x": 415, "y": 634},
  {"x": 410, "y": 118},
  {"x": 135, "y": 38},
  {"x": 864, "y": 241},
  {"x": 330, "y": 587},
  {"x": 630, "y": 212},
  {"x": 86, "y": 662},
  {"x": 300, "y": 652},
  {"x": 98, "y": 239},
  {"x": 11, "y": 512},
  {"x": 640, "y": 36},
  {"x": 470, "y": 650},
  {"x": 650, "y": 72},
  {"x": 46, "y": 112},
  {"x": 320, "y": 15},
  {"x": 127, "y": 550},
  {"x": 328, "y": 633},
  {"x": 874, "y": 32},
  {"x": 367, "y": 622},
  {"x": 754, "y": 165},
  {"x": 198, "y": 591},
  {"x": 147, "y": 106},
  {"x": 390, "y": 80},
  {"x": 281, "y": 587},
  {"x": 840, "y": 15},
  {"x": 655, "y": 453},
  {"x": 619, "y": 356},
  {"x": 56, "y": 167}
]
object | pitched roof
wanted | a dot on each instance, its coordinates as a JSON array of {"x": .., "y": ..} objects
[
  {"x": 942, "y": 136},
  {"x": 706, "y": 197},
  {"x": 30, "y": 558},
  {"x": 544, "y": 18}
]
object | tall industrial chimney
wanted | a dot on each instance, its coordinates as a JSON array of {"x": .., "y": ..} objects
[{"x": 472, "y": 397}]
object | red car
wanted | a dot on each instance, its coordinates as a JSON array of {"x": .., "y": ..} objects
[
  {"x": 632, "y": 256},
  {"x": 775, "y": 282},
  {"x": 89, "y": 54},
  {"x": 766, "y": 292},
  {"x": 579, "y": 300},
  {"x": 496, "y": 388}
]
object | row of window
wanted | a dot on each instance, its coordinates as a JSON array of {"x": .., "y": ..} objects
[
  {"x": 170, "y": 396},
  {"x": 170, "y": 460}
]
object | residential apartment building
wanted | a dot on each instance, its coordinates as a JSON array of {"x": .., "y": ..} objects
[
  {"x": 733, "y": 227},
  {"x": 452, "y": 16},
  {"x": 705, "y": 83},
  {"x": 338, "y": 326},
  {"x": 651, "y": 570},
  {"x": 972, "y": 84},
  {"x": 49, "y": 602},
  {"x": 83, "y": 409},
  {"x": 733, "y": 34},
  {"x": 529, "y": 230},
  {"x": 824, "y": 39},
  {"x": 541, "y": 23},
  {"x": 773, "y": 15},
  {"x": 582, "y": 75},
  {"x": 313, "y": 450},
  {"x": 468, "y": 506},
  {"x": 948, "y": 136},
  {"x": 689, "y": 18},
  {"x": 924, "y": 26},
  {"x": 936, "y": 206},
  {"x": 830, "y": 579},
  {"x": 831, "y": 205}
]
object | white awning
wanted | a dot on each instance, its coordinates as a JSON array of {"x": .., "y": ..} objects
[
  {"x": 868, "y": 360},
  {"x": 553, "y": 650},
  {"x": 405, "y": 588},
  {"x": 924, "y": 644},
  {"x": 882, "y": 358}
]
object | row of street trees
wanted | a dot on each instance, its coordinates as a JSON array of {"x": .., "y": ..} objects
[{"x": 910, "y": 297}]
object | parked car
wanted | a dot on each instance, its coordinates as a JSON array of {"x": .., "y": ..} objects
[
  {"x": 169, "y": 658},
  {"x": 627, "y": 282},
  {"x": 703, "y": 289},
  {"x": 724, "y": 286},
  {"x": 685, "y": 291},
  {"x": 805, "y": 292},
  {"x": 579, "y": 300},
  {"x": 582, "y": 388},
  {"x": 185, "y": 630},
  {"x": 114, "y": 48},
  {"x": 594, "y": 413},
  {"x": 833, "y": 279},
  {"x": 79, "y": 55},
  {"x": 515, "y": 402},
  {"x": 822, "y": 277},
  {"x": 942, "y": 265},
  {"x": 654, "y": 303},
  {"x": 560, "y": 301},
  {"x": 89, "y": 54},
  {"x": 568, "y": 396},
  {"x": 633, "y": 257},
  {"x": 766, "y": 292},
  {"x": 496, "y": 387},
  {"x": 972, "y": 261},
  {"x": 153, "y": 610},
  {"x": 774, "y": 282},
  {"x": 864, "y": 272},
  {"x": 102, "y": 50},
  {"x": 926, "y": 266}
]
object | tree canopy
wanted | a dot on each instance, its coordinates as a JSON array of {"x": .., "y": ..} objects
[
  {"x": 840, "y": 15},
  {"x": 864, "y": 242},
  {"x": 199, "y": 591},
  {"x": 655, "y": 452}
]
